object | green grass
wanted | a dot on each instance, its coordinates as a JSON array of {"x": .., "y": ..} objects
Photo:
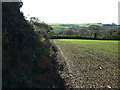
[
  {"x": 85, "y": 57},
  {"x": 83, "y": 40}
]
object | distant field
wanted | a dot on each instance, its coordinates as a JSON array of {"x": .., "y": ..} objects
[
  {"x": 66, "y": 26},
  {"x": 57, "y": 27},
  {"x": 94, "y": 63}
]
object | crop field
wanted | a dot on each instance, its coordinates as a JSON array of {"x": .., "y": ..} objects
[{"x": 91, "y": 63}]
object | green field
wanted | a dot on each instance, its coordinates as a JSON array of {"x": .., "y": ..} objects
[
  {"x": 57, "y": 27},
  {"x": 92, "y": 63},
  {"x": 67, "y": 26}
]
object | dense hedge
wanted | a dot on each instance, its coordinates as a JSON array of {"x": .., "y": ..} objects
[
  {"x": 26, "y": 55},
  {"x": 78, "y": 37}
]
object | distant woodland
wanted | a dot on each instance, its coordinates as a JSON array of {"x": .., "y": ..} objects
[{"x": 91, "y": 31}]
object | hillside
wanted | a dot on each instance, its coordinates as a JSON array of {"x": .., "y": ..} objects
[{"x": 69, "y": 26}]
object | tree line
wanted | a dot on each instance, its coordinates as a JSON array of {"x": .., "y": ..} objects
[{"x": 92, "y": 31}]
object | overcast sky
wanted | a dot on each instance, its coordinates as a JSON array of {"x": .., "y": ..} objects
[{"x": 72, "y": 11}]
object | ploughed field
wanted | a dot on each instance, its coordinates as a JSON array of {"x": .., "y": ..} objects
[{"x": 91, "y": 63}]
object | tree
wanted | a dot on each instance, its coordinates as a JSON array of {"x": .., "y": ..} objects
[
  {"x": 42, "y": 27},
  {"x": 68, "y": 32},
  {"x": 94, "y": 27}
]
